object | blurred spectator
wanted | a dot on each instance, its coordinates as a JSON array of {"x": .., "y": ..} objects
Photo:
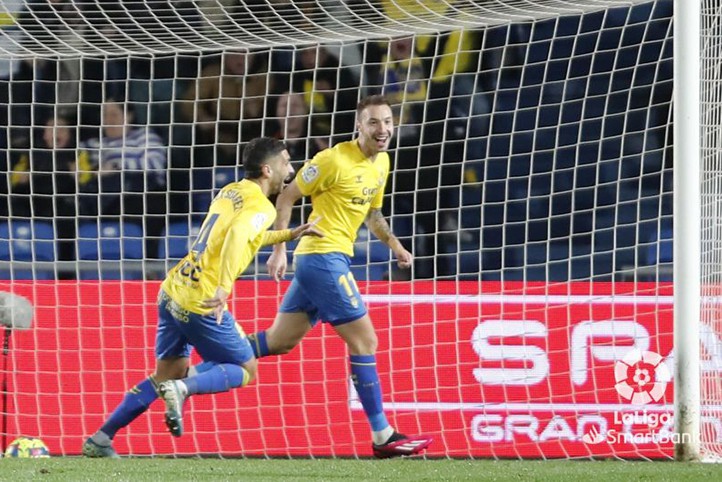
[
  {"x": 12, "y": 35},
  {"x": 329, "y": 90},
  {"x": 39, "y": 173},
  {"x": 57, "y": 87},
  {"x": 123, "y": 173},
  {"x": 57, "y": 24},
  {"x": 395, "y": 70},
  {"x": 449, "y": 61},
  {"x": 296, "y": 129},
  {"x": 16, "y": 94},
  {"x": 293, "y": 127},
  {"x": 152, "y": 88},
  {"x": 403, "y": 81},
  {"x": 432, "y": 78},
  {"x": 13, "y": 84},
  {"x": 227, "y": 102},
  {"x": 42, "y": 182},
  {"x": 305, "y": 15}
]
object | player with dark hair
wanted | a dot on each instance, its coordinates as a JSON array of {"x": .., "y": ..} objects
[
  {"x": 192, "y": 310},
  {"x": 346, "y": 184}
]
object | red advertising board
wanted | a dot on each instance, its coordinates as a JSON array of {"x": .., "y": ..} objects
[{"x": 490, "y": 369}]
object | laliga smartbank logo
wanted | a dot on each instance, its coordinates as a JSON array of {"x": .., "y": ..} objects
[
  {"x": 641, "y": 377},
  {"x": 594, "y": 436}
]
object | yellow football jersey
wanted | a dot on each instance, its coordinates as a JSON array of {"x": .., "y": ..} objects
[
  {"x": 233, "y": 231},
  {"x": 343, "y": 184}
]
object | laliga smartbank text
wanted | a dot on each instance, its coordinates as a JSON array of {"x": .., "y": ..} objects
[{"x": 640, "y": 427}]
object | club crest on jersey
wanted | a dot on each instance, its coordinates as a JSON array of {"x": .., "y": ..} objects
[{"x": 310, "y": 173}]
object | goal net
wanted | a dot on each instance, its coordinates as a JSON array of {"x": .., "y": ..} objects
[{"x": 532, "y": 179}]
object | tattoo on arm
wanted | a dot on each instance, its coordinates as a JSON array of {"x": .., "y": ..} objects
[{"x": 377, "y": 224}]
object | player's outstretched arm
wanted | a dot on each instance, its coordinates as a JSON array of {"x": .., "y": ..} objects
[
  {"x": 308, "y": 229},
  {"x": 283, "y": 235},
  {"x": 284, "y": 204},
  {"x": 277, "y": 262},
  {"x": 377, "y": 224}
]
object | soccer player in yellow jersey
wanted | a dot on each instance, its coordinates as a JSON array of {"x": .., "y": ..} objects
[
  {"x": 346, "y": 184},
  {"x": 192, "y": 309}
]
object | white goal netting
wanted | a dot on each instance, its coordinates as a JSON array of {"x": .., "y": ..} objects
[
  {"x": 532, "y": 180},
  {"x": 711, "y": 265}
]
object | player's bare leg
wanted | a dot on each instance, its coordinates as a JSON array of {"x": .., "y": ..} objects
[
  {"x": 359, "y": 335},
  {"x": 170, "y": 369},
  {"x": 362, "y": 342},
  {"x": 287, "y": 331}
]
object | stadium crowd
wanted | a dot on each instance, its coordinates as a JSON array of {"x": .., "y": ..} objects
[{"x": 505, "y": 143}]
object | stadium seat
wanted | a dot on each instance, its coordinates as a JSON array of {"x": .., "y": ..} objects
[
  {"x": 371, "y": 257},
  {"x": 402, "y": 225},
  {"x": 22, "y": 240},
  {"x": 27, "y": 241},
  {"x": 378, "y": 251},
  {"x": 659, "y": 249},
  {"x": 4, "y": 241},
  {"x": 207, "y": 181},
  {"x": 368, "y": 249},
  {"x": 177, "y": 239},
  {"x": 265, "y": 252},
  {"x": 202, "y": 189},
  {"x": 110, "y": 241},
  {"x": 224, "y": 175},
  {"x": 370, "y": 272}
]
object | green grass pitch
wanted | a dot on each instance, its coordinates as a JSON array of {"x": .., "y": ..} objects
[{"x": 140, "y": 469}]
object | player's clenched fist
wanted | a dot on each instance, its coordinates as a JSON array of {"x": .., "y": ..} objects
[{"x": 404, "y": 259}]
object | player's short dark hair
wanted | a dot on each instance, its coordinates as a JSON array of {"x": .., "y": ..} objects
[
  {"x": 371, "y": 100},
  {"x": 257, "y": 152}
]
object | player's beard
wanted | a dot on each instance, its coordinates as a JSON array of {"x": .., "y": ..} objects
[{"x": 278, "y": 188}]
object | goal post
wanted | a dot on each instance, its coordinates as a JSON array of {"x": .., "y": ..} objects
[
  {"x": 532, "y": 179},
  {"x": 688, "y": 77}
]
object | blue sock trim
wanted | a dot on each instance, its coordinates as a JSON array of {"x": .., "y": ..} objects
[
  {"x": 366, "y": 381},
  {"x": 220, "y": 378},
  {"x": 259, "y": 345},
  {"x": 136, "y": 401},
  {"x": 360, "y": 359}
]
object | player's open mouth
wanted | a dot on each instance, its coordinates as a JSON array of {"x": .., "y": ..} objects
[{"x": 381, "y": 141}]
